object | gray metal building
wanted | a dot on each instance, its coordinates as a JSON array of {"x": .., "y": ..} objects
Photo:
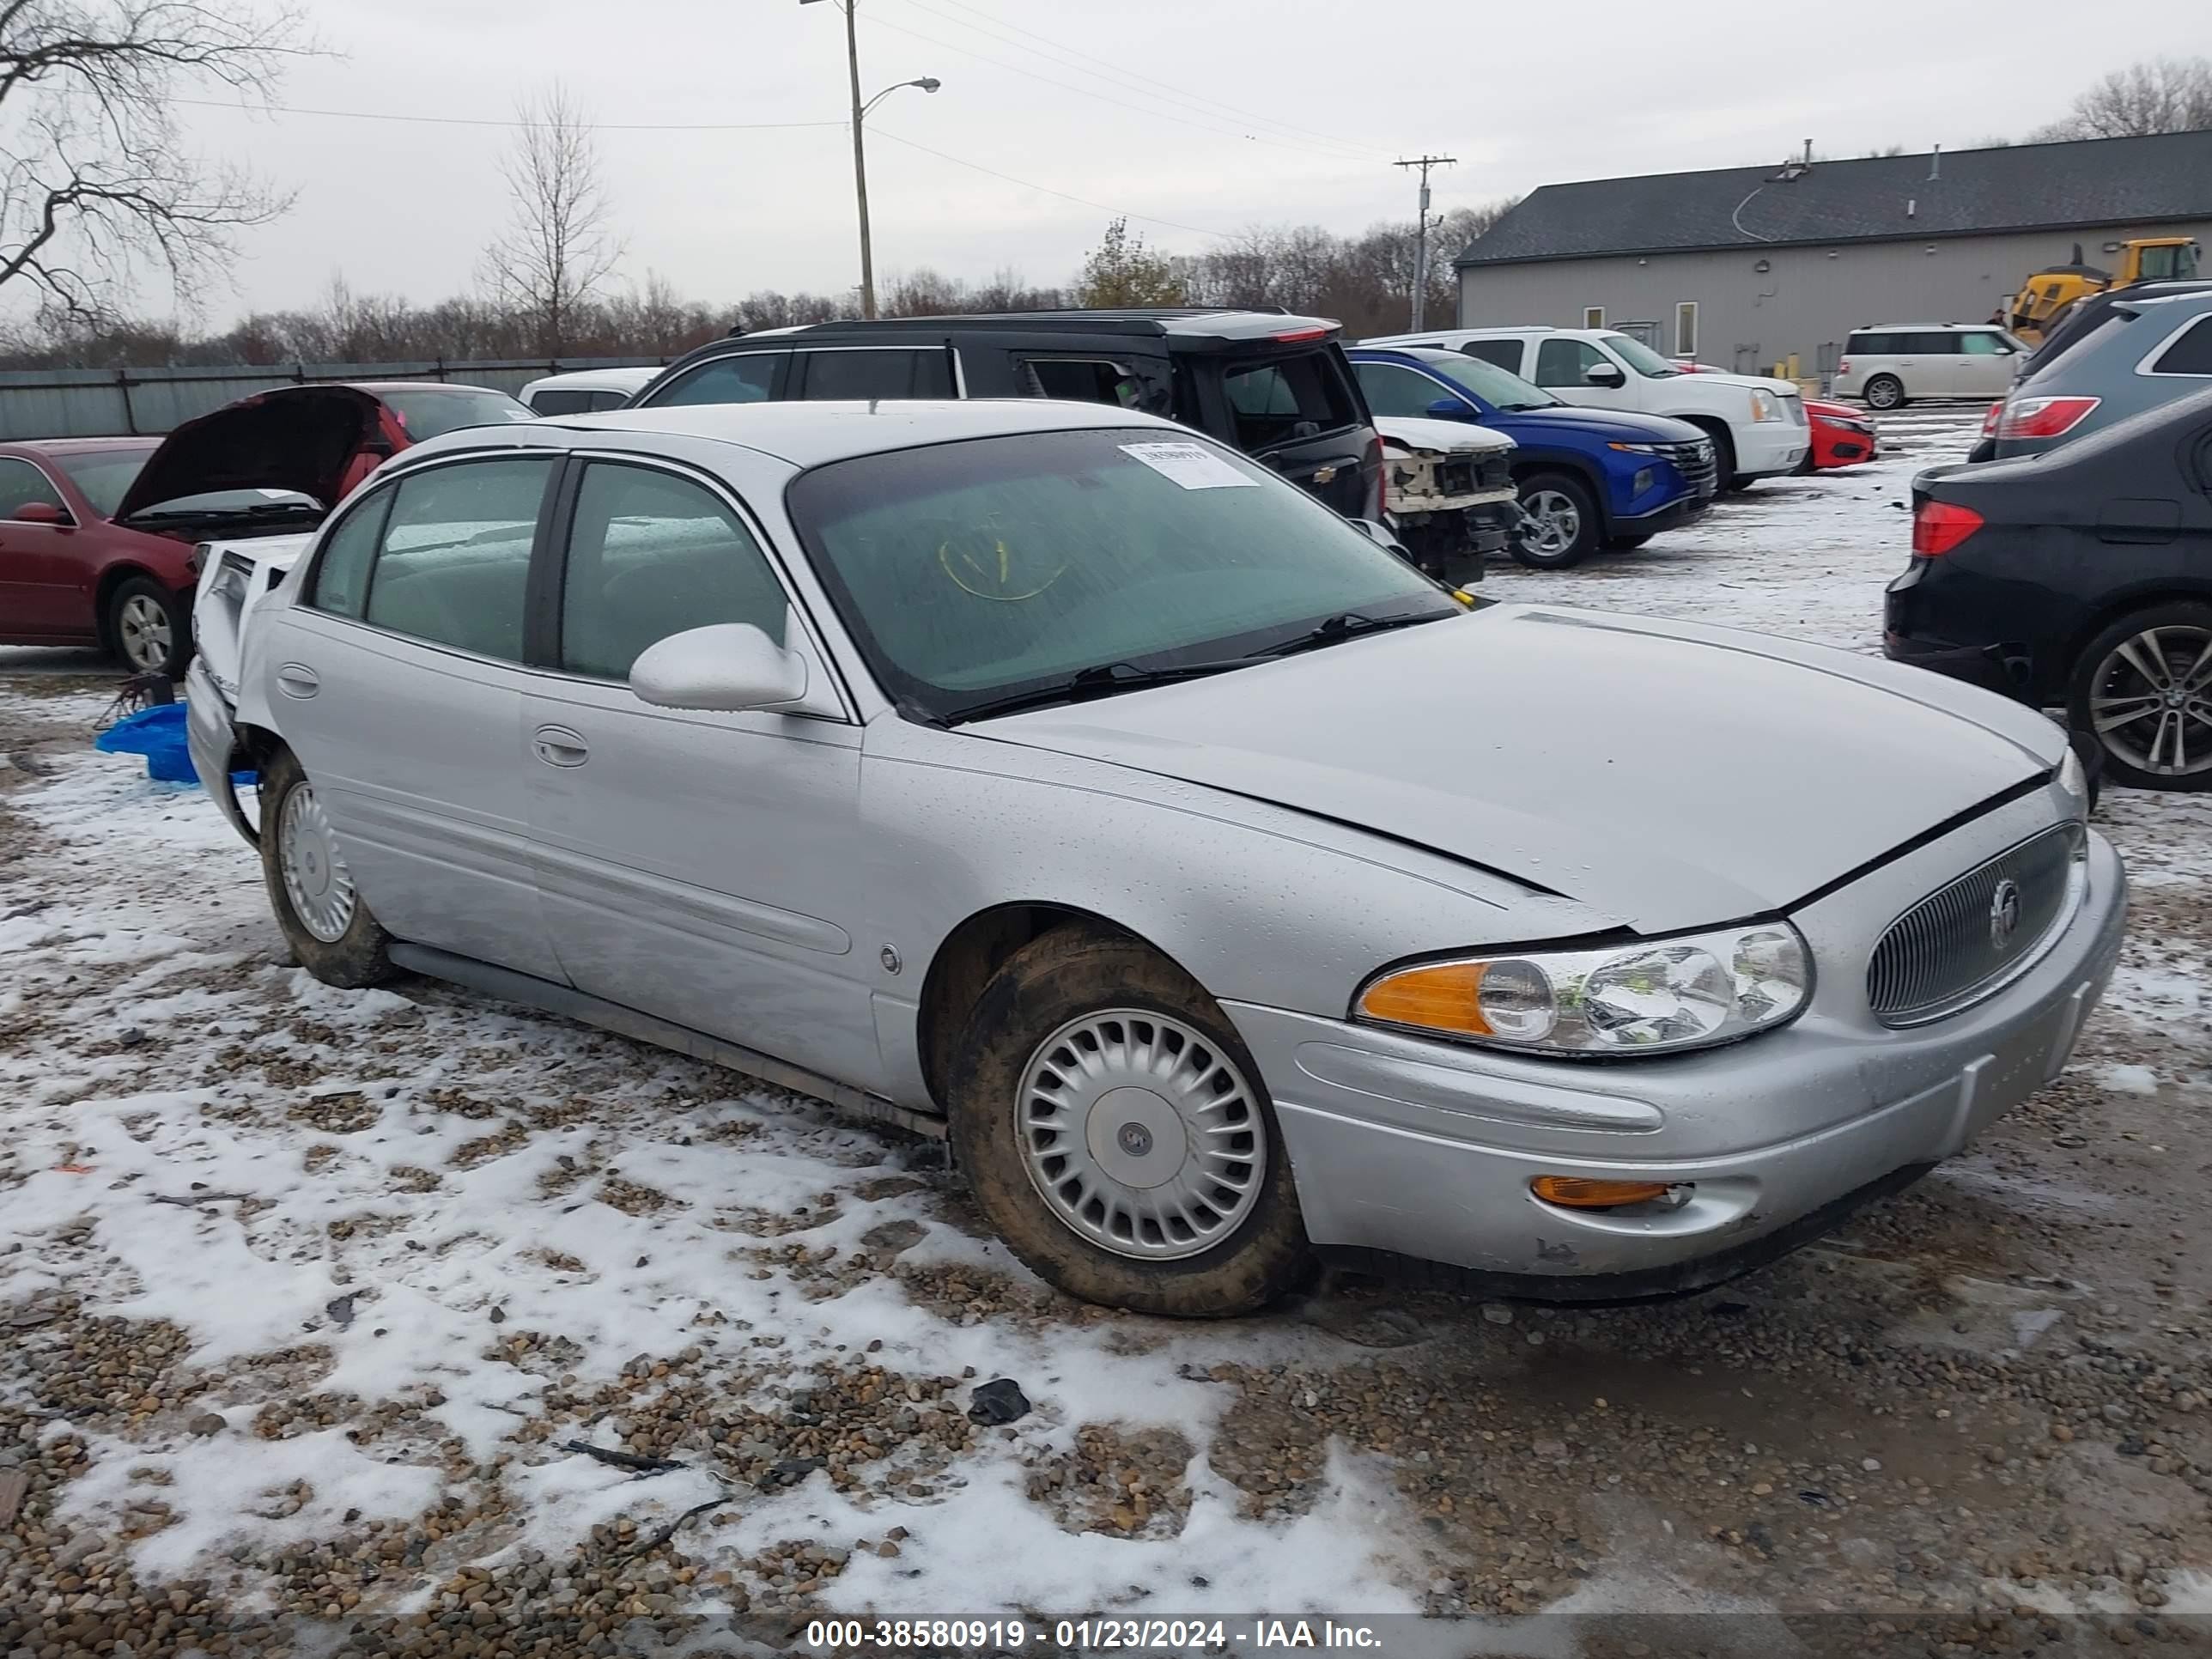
[{"x": 1744, "y": 266}]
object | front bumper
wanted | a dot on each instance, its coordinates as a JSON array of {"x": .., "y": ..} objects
[
  {"x": 1407, "y": 1148},
  {"x": 212, "y": 741},
  {"x": 1686, "y": 509},
  {"x": 1766, "y": 449}
]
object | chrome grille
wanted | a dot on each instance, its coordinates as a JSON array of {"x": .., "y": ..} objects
[
  {"x": 1694, "y": 461},
  {"x": 1955, "y": 946}
]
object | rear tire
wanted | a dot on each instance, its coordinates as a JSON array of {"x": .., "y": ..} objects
[
  {"x": 324, "y": 919},
  {"x": 2147, "y": 681},
  {"x": 149, "y": 628},
  {"x": 1566, "y": 529},
  {"x": 1087, "y": 1176},
  {"x": 1885, "y": 392}
]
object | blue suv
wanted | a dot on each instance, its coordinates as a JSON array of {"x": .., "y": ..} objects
[{"x": 1588, "y": 478}]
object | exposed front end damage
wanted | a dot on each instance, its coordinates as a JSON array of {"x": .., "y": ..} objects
[{"x": 1449, "y": 491}]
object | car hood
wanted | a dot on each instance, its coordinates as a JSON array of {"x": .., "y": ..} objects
[
  {"x": 1602, "y": 425},
  {"x": 1668, "y": 776},
  {"x": 1449, "y": 437},
  {"x": 1762, "y": 382},
  {"x": 297, "y": 438},
  {"x": 1827, "y": 411}
]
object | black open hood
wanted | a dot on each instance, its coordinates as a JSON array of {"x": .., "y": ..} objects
[{"x": 297, "y": 438}]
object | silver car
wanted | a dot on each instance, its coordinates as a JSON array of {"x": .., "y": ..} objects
[{"x": 1051, "y": 778}]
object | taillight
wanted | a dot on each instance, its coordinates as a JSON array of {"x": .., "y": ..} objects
[
  {"x": 1989, "y": 420},
  {"x": 2043, "y": 417},
  {"x": 1843, "y": 366},
  {"x": 1295, "y": 334},
  {"x": 1374, "y": 460},
  {"x": 1939, "y": 526}
]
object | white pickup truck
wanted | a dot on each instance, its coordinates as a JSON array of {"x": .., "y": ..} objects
[{"x": 1757, "y": 425}]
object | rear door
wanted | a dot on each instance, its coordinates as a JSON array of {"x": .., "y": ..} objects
[
  {"x": 46, "y": 588},
  {"x": 1300, "y": 413}
]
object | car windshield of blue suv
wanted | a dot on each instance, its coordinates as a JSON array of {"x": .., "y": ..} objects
[{"x": 1501, "y": 388}]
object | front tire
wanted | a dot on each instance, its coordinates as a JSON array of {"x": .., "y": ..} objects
[
  {"x": 1885, "y": 392},
  {"x": 2142, "y": 692},
  {"x": 149, "y": 628},
  {"x": 324, "y": 918},
  {"x": 1116, "y": 1134},
  {"x": 1566, "y": 528}
]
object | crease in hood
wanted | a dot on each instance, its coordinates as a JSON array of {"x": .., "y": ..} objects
[
  {"x": 297, "y": 438},
  {"x": 1669, "y": 777}
]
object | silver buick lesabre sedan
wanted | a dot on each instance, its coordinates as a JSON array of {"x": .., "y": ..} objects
[{"x": 1051, "y": 778}]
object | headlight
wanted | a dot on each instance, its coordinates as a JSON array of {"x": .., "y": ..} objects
[
  {"x": 1688, "y": 992},
  {"x": 1635, "y": 449},
  {"x": 1765, "y": 406}
]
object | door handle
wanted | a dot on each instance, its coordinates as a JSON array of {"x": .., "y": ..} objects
[
  {"x": 296, "y": 680},
  {"x": 556, "y": 745}
]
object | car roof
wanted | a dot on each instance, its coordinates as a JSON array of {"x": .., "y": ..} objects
[
  {"x": 1927, "y": 327},
  {"x": 627, "y": 377},
  {"x": 1190, "y": 322},
  {"x": 1432, "y": 354},
  {"x": 378, "y": 388},
  {"x": 77, "y": 445},
  {"x": 812, "y": 434}
]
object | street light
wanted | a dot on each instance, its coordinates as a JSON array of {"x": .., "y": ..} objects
[{"x": 928, "y": 83}]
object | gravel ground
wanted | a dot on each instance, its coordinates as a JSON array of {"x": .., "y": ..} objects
[{"x": 401, "y": 1322}]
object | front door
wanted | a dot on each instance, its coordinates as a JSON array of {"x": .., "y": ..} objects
[
  {"x": 1563, "y": 367},
  {"x": 700, "y": 868},
  {"x": 398, "y": 681},
  {"x": 46, "y": 589}
]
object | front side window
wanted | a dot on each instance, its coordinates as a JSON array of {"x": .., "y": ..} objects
[
  {"x": 747, "y": 378},
  {"x": 651, "y": 554},
  {"x": 1392, "y": 390},
  {"x": 1285, "y": 398},
  {"x": 868, "y": 376},
  {"x": 1566, "y": 362},
  {"x": 453, "y": 561},
  {"x": 973, "y": 571},
  {"x": 1641, "y": 357},
  {"x": 1984, "y": 345},
  {"x": 2189, "y": 354},
  {"x": 21, "y": 483}
]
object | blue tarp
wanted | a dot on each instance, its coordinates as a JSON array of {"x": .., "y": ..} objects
[{"x": 158, "y": 733}]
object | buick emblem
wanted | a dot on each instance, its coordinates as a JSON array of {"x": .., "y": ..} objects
[{"x": 2004, "y": 913}]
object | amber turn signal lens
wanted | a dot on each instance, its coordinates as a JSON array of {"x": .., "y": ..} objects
[
  {"x": 1441, "y": 997},
  {"x": 1578, "y": 1192}
]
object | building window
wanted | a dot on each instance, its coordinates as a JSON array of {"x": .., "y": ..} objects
[
  {"x": 1686, "y": 329},
  {"x": 1592, "y": 316}
]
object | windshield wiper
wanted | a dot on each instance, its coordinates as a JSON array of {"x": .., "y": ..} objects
[
  {"x": 1344, "y": 625},
  {"x": 1100, "y": 680}
]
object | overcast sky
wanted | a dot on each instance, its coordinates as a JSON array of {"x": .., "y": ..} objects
[{"x": 1210, "y": 114}]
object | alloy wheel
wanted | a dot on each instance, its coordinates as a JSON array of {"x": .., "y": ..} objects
[
  {"x": 2150, "y": 701},
  {"x": 1142, "y": 1136},
  {"x": 1559, "y": 522},
  {"x": 142, "y": 633},
  {"x": 316, "y": 880}
]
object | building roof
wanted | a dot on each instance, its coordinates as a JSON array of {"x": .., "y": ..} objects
[{"x": 2097, "y": 181}]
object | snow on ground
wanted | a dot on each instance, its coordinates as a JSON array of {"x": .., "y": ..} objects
[{"x": 311, "y": 1297}]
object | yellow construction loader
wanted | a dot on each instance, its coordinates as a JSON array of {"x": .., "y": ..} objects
[{"x": 2046, "y": 296}]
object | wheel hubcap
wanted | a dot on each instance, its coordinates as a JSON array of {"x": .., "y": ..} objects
[
  {"x": 1140, "y": 1134},
  {"x": 141, "y": 629},
  {"x": 2151, "y": 702},
  {"x": 316, "y": 879},
  {"x": 1558, "y": 521},
  {"x": 1881, "y": 395}
]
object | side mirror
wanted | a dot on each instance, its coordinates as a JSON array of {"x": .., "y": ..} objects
[
  {"x": 1605, "y": 374},
  {"x": 725, "y": 669},
  {"x": 42, "y": 512},
  {"x": 1450, "y": 409}
]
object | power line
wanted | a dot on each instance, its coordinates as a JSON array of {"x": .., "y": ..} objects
[
  {"x": 485, "y": 121},
  {"x": 1114, "y": 73},
  {"x": 1150, "y": 219},
  {"x": 1087, "y": 92}
]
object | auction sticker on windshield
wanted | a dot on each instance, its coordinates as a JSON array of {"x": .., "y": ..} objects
[{"x": 1191, "y": 465}]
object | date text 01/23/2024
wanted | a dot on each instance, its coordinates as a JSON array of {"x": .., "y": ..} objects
[{"x": 1086, "y": 1635}]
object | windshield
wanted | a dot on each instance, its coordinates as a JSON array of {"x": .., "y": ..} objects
[
  {"x": 2160, "y": 264},
  {"x": 432, "y": 410},
  {"x": 1640, "y": 357},
  {"x": 104, "y": 474},
  {"x": 971, "y": 572},
  {"x": 1500, "y": 388}
]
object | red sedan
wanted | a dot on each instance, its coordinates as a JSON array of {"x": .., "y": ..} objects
[{"x": 96, "y": 534}]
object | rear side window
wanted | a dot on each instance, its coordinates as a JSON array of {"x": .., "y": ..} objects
[
  {"x": 342, "y": 573},
  {"x": 561, "y": 402},
  {"x": 748, "y": 377},
  {"x": 1506, "y": 353},
  {"x": 2189, "y": 354},
  {"x": 1082, "y": 380},
  {"x": 1286, "y": 398},
  {"x": 1934, "y": 343},
  {"x": 455, "y": 558},
  {"x": 866, "y": 375}
]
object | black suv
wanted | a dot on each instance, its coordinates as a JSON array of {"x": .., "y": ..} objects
[{"x": 1276, "y": 387}]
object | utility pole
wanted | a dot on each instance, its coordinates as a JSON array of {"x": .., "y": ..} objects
[
  {"x": 1421, "y": 234},
  {"x": 859, "y": 163}
]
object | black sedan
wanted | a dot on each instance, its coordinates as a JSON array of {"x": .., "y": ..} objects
[{"x": 2080, "y": 578}]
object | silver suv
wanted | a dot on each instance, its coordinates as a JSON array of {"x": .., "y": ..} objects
[
  {"x": 1890, "y": 365},
  {"x": 2139, "y": 354}
]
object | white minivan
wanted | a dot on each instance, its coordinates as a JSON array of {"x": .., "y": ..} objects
[
  {"x": 1890, "y": 365},
  {"x": 1757, "y": 425}
]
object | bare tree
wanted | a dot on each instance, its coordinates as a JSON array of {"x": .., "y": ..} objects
[
  {"x": 561, "y": 245},
  {"x": 2160, "y": 95},
  {"x": 95, "y": 184}
]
